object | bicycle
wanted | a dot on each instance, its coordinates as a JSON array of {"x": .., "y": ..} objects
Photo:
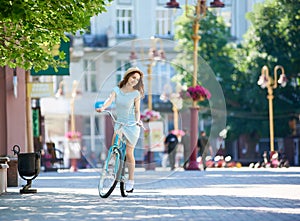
[{"x": 114, "y": 167}]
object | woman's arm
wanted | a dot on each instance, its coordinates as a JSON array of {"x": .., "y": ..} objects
[
  {"x": 107, "y": 102},
  {"x": 137, "y": 105}
]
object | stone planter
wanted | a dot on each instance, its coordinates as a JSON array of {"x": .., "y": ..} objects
[{"x": 3, "y": 174}]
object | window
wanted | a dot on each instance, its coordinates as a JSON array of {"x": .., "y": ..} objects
[
  {"x": 125, "y": 22},
  {"x": 126, "y": 2},
  {"x": 122, "y": 66},
  {"x": 90, "y": 77},
  {"x": 161, "y": 76},
  {"x": 164, "y": 24},
  {"x": 86, "y": 126}
]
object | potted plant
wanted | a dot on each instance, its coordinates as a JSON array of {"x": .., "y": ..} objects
[
  {"x": 74, "y": 148},
  {"x": 150, "y": 115}
]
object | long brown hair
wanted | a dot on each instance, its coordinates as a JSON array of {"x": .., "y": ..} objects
[{"x": 139, "y": 86}]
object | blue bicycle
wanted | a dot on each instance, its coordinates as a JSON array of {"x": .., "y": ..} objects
[{"x": 114, "y": 167}]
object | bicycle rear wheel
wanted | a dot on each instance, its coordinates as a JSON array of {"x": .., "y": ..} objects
[{"x": 110, "y": 174}]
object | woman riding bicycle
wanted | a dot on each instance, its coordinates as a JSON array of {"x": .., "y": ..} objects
[{"x": 127, "y": 96}]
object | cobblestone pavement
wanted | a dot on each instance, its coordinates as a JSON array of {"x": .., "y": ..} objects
[{"x": 216, "y": 194}]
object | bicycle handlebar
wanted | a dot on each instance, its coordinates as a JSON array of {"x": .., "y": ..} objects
[{"x": 122, "y": 123}]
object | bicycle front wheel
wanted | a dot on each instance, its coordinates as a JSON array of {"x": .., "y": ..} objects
[{"x": 110, "y": 174}]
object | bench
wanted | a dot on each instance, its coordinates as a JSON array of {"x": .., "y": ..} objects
[{"x": 53, "y": 159}]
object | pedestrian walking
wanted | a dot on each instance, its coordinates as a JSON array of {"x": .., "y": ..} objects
[
  {"x": 127, "y": 96},
  {"x": 203, "y": 148},
  {"x": 171, "y": 142}
]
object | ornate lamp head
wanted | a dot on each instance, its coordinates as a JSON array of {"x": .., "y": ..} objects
[
  {"x": 282, "y": 80},
  {"x": 217, "y": 4},
  {"x": 172, "y": 4},
  {"x": 262, "y": 81}
]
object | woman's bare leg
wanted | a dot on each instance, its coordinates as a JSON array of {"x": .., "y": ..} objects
[{"x": 130, "y": 160}]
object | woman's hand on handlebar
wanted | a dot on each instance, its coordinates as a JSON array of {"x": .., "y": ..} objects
[
  {"x": 140, "y": 124},
  {"x": 100, "y": 109}
]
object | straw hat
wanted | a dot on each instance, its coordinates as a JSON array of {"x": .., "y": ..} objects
[{"x": 133, "y": 69}]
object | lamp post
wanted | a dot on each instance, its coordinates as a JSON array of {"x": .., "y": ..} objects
[
  {"x": 175, "y": 99},
  {"x": 72, "y": 135},
  {"x": 74, "y": 145},
  {"x": 266, "y": 81},
  {"x": 60, "y": 92},
  {"x": 199, "y": 13}
]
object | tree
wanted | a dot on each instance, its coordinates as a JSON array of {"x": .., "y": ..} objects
[
  {"x": 30, "y": 29},
  {"x": 214, "y": 60},
  {"x": 272, "y": 39}
]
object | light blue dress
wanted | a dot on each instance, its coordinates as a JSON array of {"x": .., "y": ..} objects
[{"x": 125, "y": 111}]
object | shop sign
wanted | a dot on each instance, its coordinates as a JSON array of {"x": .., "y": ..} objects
[
  {"x": 65, "y": 47},
  {"x": 40, "y": 89}
]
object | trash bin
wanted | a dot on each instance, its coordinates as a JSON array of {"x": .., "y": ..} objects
[{"x": 29, "y": 165}]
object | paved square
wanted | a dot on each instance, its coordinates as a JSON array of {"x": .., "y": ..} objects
[{"x": 216, "y": 194}]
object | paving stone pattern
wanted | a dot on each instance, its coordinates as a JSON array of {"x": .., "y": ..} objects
[{"x": 238, "y": 194}]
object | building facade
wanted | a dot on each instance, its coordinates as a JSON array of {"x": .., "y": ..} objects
[{"x": 116, "y": 40}]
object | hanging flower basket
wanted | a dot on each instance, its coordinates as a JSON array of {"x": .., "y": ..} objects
[
  {"x": 178, "y": 132},
  {"x": 198, "y": 93},
  {"x": 150, "y": 115},
  {"x": 73, "y": 135}
]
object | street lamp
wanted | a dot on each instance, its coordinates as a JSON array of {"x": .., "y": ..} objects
[
  {"x": 172, "y": 4},
  {"x": 200, "y": 11},
  {"x": 73, "y": 143},
  {"x": 74, "y": 149},
  {"x": 175, "y": 99},
  {"x": 266, "y": 81}
]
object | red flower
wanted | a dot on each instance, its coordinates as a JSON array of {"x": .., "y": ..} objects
[
  {"x": 73, "y": 134},
  {"x": 149, "y": 115},
  {"x": 198, "y": 93}
]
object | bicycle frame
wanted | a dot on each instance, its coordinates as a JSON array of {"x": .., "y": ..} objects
[{"x": 121, "y": 146}]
